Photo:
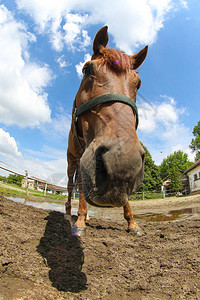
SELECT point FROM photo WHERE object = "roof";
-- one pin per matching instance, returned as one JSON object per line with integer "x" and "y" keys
{"x": 193, "y": 166}
{"x": 164, "y": 179}
{"x": 42, "y": 182}
{"x": 57, "y": 188}
{"x": 37, "y": 179}
{"x": 53, "y": 187}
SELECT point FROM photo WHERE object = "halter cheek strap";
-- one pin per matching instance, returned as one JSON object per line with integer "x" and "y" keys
{"x": 100, "y": 100}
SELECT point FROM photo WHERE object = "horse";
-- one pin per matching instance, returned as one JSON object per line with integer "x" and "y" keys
{"x": 104, "y": 152}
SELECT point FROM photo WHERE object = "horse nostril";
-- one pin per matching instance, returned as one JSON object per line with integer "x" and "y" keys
{"x": 101, "y": 150}
{"x": 143, "y": 157}
{"x": 101, "y": 171}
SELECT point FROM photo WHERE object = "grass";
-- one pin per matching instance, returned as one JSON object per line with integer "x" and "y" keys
{"x": 6, "y": 191}
{"x": 14, "y": 186}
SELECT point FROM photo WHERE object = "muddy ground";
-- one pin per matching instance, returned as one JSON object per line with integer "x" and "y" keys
{"x": 40, "y": 259}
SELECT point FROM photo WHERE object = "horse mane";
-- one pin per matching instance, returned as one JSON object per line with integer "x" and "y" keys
{"x": 116, "y": 60}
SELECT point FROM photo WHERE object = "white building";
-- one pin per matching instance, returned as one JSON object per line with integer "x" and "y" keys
{"x": 194, "y": 177}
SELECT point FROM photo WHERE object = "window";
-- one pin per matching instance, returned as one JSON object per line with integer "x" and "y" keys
{"x": 195, "y": 176}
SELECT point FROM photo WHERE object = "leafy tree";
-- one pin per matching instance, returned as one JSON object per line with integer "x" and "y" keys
{"x": 175, "y": 178}
{"x": 179, "y": 159}
{"x": 152, "y": 180}
{"x": 3, "y": 178}
{"x": 195, "y": 144}
{"x": 16, "y": 179}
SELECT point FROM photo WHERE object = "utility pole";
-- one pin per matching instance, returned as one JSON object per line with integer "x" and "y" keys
{"x": 26, "y": 182}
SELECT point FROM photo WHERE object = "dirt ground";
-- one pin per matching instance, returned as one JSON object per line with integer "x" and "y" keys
{"x": 40, "y": 259}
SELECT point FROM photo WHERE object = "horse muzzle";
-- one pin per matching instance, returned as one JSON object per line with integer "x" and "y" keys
{"x": 111, "y": 172}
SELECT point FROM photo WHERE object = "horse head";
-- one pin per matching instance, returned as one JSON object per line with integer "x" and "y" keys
{"x": 112, "y": 164}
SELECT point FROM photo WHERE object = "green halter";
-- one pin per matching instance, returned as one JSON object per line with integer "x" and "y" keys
{"x": 100, "y": 100}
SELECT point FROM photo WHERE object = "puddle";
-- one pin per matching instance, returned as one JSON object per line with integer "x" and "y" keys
{"x": 117, "y": 214}
{"x": 50, "y": 206}
{"x": 173, "y": 215}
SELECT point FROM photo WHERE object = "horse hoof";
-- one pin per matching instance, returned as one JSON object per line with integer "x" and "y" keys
{"x": 78, "y": 231}
{"x": 136, "y": 231}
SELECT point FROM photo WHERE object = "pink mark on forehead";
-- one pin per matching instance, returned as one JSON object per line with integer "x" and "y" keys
{"x": 116, "y": 62}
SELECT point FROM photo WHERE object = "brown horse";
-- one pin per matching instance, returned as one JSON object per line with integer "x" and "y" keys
{"x": 103, "y": 148}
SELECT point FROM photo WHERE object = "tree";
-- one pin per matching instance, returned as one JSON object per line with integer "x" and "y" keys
{"x": 175, "y": 178}
{"x": 195, "y": 144}
{"x": 152, "y": 180}
{"x": 3, "y": 178}
{"x": 13, "y": 178}
{"x": 179, "y": 159}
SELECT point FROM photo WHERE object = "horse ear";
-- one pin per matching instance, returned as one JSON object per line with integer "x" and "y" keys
{"x": 101, "y": 39}
{"x": 139, "y": 57}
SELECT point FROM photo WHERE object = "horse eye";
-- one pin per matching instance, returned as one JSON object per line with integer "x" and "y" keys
{"x": 139, "y": 84}
{"x": 87, "y": 69}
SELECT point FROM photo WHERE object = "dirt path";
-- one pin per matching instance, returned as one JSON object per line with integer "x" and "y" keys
{"x": 161, "y": 205}
{"x": 40, "y": 259}
{"x": 12, "y": 187}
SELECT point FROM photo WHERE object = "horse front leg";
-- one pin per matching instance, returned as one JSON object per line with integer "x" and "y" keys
{"x": 82, "y": 210}
{"x": 72, "y": 165}
{"x": 132, "y": 225}
{"x": 68, "y": 203}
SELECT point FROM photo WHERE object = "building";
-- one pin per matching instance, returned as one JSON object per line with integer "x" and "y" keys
{"x": 37, "y": 184}
{"x": 194, "y": 177}
{"x": 52, "y": 189}
{"x": 31, "y": 184}
{"x": 184, "y": 181}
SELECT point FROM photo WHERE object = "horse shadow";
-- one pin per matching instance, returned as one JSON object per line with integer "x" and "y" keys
{"x": 63, "y": 253}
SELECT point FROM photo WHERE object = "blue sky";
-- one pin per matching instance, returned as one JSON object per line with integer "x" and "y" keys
{"x": 43, "y": 47}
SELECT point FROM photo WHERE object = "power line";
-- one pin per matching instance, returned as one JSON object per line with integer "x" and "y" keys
{"x": 31, "y": 178}
{"x": 11, "y": 171}
{"x": 9, "y": 165}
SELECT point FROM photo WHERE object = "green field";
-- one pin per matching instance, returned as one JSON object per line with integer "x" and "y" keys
{"x": 13, "y": 190}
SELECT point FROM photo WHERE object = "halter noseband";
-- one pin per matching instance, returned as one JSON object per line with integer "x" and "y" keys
{"x": 100, "y": 100}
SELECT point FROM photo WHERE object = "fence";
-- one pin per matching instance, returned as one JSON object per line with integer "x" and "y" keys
{"x": 145, "y": 195}
{"x": 158, "y": 194}
{"x": 136, "y": 196}
{"x": 27, "y": 178}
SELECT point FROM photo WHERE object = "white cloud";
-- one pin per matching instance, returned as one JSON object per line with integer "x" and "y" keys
{"x": 162, "y": 114}
{"x": 73, "y": 32}
{"x": 86, "y": 38}
{"x": 43, "y": 169}
{"x": 22, "y": 99}
{"x": 49, "y": 163}
{"x": 132, "y": 23}
{"x": 147, "y": 116}
{"x": 58, "y": 128}
{"x": 161, "y": 123}
{"x": 8, "y": 145}
{"x": 62, "y": 62}
{"x": 184, "y": 3}
{"x": 79, "y": 66}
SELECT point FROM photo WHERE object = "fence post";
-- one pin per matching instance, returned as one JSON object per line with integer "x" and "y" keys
{"x": 45, "y": 189}
{"x": 143, "y": 196}
{"x": 163, "y": 194}
{"x": 26, "y": 182}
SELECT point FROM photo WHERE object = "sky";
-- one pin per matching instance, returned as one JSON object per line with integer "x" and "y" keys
{"x": 44, "y": 45}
